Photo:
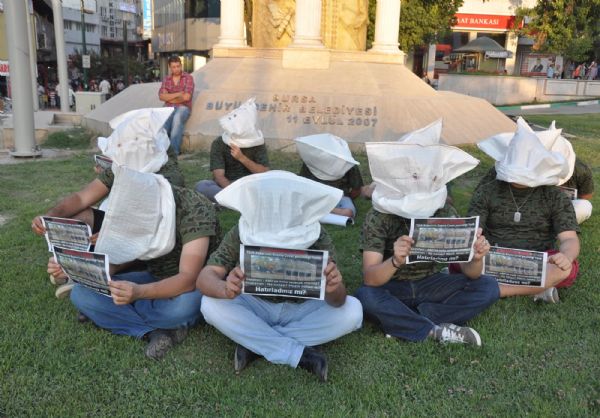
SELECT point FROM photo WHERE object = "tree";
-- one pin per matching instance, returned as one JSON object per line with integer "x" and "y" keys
{"x": 421, "y": 21}
{"x": 564, "y": 27}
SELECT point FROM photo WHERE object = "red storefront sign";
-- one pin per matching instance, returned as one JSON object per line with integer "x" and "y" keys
{"x": 477, "y": 21}
{"x": 4, "y": 71}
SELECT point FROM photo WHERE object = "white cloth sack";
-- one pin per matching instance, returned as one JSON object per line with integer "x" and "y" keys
{"x": 497, "y": 146}
{"x": 140, "y": 217}
{"x": 429, "y": 135}
{"x": 527, "y": 162}
{"x": 583, "y": 210}
{"x": 327, "y": 156}
{"x": 139, "y": 140}
{"x": 411, "y": 179}
{"x": 239, "y": 126}
{"x": 279, "y": 209}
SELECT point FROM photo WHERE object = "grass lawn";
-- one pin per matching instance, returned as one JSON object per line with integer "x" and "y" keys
{"x": 538, "y": 360}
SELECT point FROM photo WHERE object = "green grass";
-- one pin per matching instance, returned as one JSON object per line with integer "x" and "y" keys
{"x": 75, "y": 138}
{"x": 538, "y": 360}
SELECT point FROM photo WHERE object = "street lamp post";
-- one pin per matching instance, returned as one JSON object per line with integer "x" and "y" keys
{"x": 85, "y": 72}
{"x": 125, "y": 52}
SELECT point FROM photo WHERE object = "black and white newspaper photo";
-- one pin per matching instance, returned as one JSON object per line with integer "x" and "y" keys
{"x": 85, "y": 268}
{"x": 103, "y": 162}
{"x": 569, "y": 191}
{"x": 444, "y": 240}
{"x": 516, "y": 267}
{"x": 283, "y": 272}
{"x": 67, "y": 233}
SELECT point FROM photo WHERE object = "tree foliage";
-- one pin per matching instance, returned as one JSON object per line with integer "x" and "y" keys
{"x": 566, "y": 27}
{"x": 421, "y": 21}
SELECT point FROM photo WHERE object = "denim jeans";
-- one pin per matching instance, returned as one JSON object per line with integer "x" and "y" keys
{"x": 175, "y": 126}
{"x": 280, "y": 331}
{"x": 208, "y": 188}
{"x": 410, "y": 309}
{"x": 142, "y": 316}
{"x": 347, "y": 203}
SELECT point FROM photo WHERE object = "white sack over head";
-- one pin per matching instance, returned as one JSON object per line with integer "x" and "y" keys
{"x": 239, "y": 126}
{"x": 411, "y": 179}
{"x": 497, "y": 146}
{"x": 140, "y": 217}
{"x": 429, "y": 135}
{"x": 527, "y": 162}
{"x": 139, "y": 140}
{"x": 279, "y": 209}
{"x": 327, "y": 156}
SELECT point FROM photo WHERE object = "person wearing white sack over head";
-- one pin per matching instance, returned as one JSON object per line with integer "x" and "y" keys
{"x": 138, "y": 139}
{"x": 239, "y": 152}
{"x": 416, "y": 301}
{"x": 282, "y": 210}
{"x": 523, "y": 209}
{"x": 327, "y": 159}
{"x": 579, "y": 178}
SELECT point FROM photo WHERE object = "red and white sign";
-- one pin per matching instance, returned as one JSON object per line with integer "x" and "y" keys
{"x": 478, "y": 21}
{"x": 4, "y": 69}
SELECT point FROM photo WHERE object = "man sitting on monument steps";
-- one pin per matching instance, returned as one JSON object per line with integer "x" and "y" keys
{"x": 328, "y": 160}
{"x": 415, "y": 301}
{"x": 239, "y": 152}
{"x": 523, "y": 209}
{"x": 282, "y": 210}
{"x": 146, "y": 125}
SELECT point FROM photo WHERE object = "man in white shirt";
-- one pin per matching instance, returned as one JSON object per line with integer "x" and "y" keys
{"x": 105, "y": 88}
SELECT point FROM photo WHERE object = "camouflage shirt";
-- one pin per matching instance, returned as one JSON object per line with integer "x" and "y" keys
{"x": 220, "y": 158}
{"x": 582, "y": 179}
{"x": 545, "y": 213}
{"x": 351, "y": 180}
{"x": 170, "y": 170}
{"x": 381, "y": 230}
{"x": 195, "y": 217}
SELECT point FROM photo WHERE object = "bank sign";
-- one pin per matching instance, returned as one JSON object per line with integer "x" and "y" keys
{"x": 478, "y": 21}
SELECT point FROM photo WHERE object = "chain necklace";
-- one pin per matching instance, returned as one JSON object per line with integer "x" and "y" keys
{"x": 517, "y": 215}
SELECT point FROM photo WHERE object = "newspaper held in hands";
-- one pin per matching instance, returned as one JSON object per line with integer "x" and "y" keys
{"x": 103, "y": 162}
{"x": 67, "y": 233}
{"x": 283, "y": 272}
{"x": 335, "y": 219}
{"x": 444, "y": 240}
{"x": 85, "y": 268}
{"x": 569, "y": 191}
{"x": 516, "y": 267}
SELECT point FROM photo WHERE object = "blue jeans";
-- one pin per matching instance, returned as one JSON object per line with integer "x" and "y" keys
{"x": 142, "y": 316}
{"x": 410, "y": 309}
{"x": 347, "y": 203}
{"x": 175, "y": 125}
{"x": 280, "y": 331}
{"x": 208, "y": 188}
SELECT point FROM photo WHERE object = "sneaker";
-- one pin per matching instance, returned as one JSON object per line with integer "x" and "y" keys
{"x": 549, "y": 295}
{"x": 178, "y": 335}
{"x": 81, "y": 318}
{"x": 160, "y": 343}
{"x": 64, "y": 290}
{"x": 450, "y": 333}
{"x": 315, "y": 362}
{"x": 242, "y": 358}
{"x": 57, "y": 282}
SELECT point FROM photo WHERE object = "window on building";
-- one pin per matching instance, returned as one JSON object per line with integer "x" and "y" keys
{"x": 202, "y": 8}
{"x": 102, "y": 11}
{"x": 90, "y": 28}
{"x": 68, "y": 25}
{"x": 104, "y": 31}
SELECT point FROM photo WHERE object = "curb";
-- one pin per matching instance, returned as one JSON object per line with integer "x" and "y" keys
{"x": 549, "y": 105}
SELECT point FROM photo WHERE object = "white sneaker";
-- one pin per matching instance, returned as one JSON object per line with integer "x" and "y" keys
{"x": 64, "y": 291}
{"x": 57, "y": 282}
{"x": 450, "y": 333}
{"x": 549, "y": 295}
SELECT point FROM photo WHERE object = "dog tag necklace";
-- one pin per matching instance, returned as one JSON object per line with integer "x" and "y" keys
{"x": 517, "y": 215}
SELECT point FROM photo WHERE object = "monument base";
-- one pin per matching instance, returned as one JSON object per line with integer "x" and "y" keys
{"x": 359, "y": 96}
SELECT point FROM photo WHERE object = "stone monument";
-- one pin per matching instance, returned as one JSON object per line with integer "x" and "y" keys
{"x": 305, "y": 87}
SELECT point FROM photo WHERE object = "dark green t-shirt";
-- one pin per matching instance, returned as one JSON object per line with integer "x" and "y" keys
{"x": 170, "y": 171}
{"x": 545, "y": 213}
{"x": 195, "y": 217}
{"x": 380, "y": 232}
{"x": 351, "y": 180}
{"x": 582, "y": 179}
{"x": 220, "y": 158}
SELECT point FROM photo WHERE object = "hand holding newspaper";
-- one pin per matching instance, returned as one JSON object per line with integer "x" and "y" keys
{"x": 85, "y": 268}
{"x": 283, "y": 272}
{"x": 67, "y": 233}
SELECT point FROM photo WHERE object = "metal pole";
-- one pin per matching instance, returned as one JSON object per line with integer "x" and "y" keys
{"x": 61, "y": 56}
{"x": 33, "y": 61}
{"x": 15, "y": 13}
{"x": 125, "y": 52}
{"x": 85, "y": 72}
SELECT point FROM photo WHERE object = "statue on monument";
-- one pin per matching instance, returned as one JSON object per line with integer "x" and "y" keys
{"x": 344, "y": 24}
